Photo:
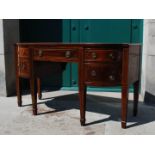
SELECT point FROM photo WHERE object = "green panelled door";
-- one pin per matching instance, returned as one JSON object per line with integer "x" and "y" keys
{"x": 99, "y": 31}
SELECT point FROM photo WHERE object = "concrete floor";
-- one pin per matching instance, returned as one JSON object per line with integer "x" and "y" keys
{"x": 59, "y": 115}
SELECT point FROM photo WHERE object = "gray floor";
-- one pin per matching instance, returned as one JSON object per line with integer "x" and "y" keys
{"x": 59, "y": 115}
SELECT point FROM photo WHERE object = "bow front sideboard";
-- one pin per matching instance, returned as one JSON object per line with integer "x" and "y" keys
{"x": 98, "y": 65}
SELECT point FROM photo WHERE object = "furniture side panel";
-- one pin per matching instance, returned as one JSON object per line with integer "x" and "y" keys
{"x": 134, "y": 63}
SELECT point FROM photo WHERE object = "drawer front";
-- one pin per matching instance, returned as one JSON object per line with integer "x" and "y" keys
{"x": 23, "y": 52}
{"x": 23, "y": 67}
{"x": 100, "y": 55}
{"x": 56, "y": 54}
{"x": 99, "y": 74}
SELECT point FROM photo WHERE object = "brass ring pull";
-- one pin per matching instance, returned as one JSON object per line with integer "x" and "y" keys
{"x": 94, "y": 56}
{"x": 111, "y": 77}
{"x": 68, "y": 54}
{"x": 93, "y": 73}
{"x": 40, "y": 53}
{"x": 111, "y": 55}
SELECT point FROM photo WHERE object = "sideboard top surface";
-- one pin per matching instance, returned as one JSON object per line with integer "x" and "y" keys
{"x": 78, "y": 44}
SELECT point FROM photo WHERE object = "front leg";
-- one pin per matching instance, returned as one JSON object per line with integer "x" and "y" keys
{"x": 19, "y": 91}
{"x": 124, "y": 105}
{"x": 33, "y": 95}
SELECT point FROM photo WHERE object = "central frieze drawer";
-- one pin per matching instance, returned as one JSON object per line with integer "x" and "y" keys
{"x": 56, "y": 54}
{"x": 102, "y": 74}
{"x": 107, "y": 55}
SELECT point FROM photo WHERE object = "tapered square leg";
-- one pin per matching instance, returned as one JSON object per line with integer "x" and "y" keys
{"x": 124, "y": 105}
{"x": 33, "y": 95}
{"x": 136, "y": 98}
{"x": 19, "y": 91}
{"x": 123, "y": 125}
{"x": 82, "y": 95}
{"x": 39, "y": 88}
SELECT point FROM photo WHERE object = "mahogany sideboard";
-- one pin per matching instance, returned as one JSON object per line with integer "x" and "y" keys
{"x": 98, "y": 65}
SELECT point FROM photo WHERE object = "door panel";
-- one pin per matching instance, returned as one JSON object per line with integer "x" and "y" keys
{"x": 75, "y": 38}
{"x": 137, "y": 31}
{"x": 75, "y": 31}
{"x": 105, "y": 31}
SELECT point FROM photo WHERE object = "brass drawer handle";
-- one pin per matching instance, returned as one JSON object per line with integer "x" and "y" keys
{"x": 93, "y": 73}
{"x": 111, "y": 55}
{"x": 94, "y": 56}
{"x": 68, "y": 54}
{"x": 40, "y": 53}
{"x": 112, "y": 78}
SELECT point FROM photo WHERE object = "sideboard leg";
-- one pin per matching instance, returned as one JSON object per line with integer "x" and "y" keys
{"x": 33, "y": 95}
{"x": 19, "y": 91}
{"x": 39, "y": 88}
{"x": 124, "y": 105}
{"x": 82, "y": 95}
{"x": 136, "y": 97}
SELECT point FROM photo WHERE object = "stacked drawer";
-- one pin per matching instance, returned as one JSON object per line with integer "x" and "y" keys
{"x": 23, "y": 62}
{"x": 103, "y": 67}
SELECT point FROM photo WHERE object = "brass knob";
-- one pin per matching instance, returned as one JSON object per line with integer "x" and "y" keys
{"x": 94, "y": 56}
{"x": 93, "y": 73}
{"x": 111, "y": 55}
{"x": 111, "y": 77}
{"x": 68, "y": 54}
{"x": 40, "y": 53}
